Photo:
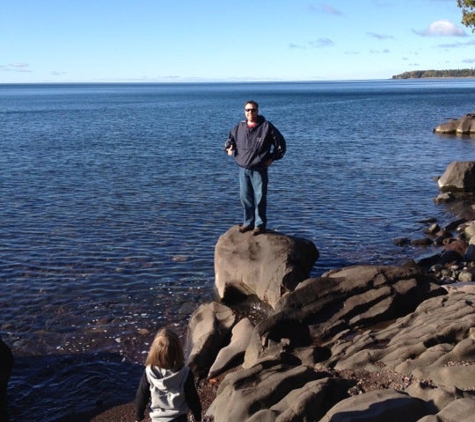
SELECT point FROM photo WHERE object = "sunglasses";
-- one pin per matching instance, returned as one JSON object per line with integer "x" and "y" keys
{"x": 250, "y": 109}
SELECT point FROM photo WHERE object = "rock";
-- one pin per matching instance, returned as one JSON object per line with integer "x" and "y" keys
{"x": 444, "y": 197}
{"x": 463, "y": 126}
{"x": 469, "y": 230}
{"x": 309, "y": 402}
{"x": 425, "y": 241}
{"x": 456, "y": 245}
{"x": 350, "y": 322}
{"x": 432, "y": 230}
{"x": 265, "y": 392}
{"x": 435, "y": 342}
{"x": 267, "y": 265}
{"x": 458, "y": 177}
{"x": 350, "y": 298}
{"x": 467, "y": 275}
{"x": 455, "y": 224}
{"x": 208, "y": 330}
{"x": 436, "y": 397}
{"x": 462, "y": 410}
{"x": 460, "y": 288}
{"x": 378, "y": 406}
{"x": 233, "y": 353}
{"x": 401, "y": 241}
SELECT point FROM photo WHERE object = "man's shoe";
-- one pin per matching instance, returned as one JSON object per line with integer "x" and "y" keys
{"x": 258, "y": 230}
{"x": 244, "y": 229}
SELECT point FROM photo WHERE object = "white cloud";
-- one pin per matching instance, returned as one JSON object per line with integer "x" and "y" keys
{"x": 442, "y": 28}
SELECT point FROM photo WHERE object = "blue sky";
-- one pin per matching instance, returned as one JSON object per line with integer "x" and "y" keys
{"x": 228, "y": 40}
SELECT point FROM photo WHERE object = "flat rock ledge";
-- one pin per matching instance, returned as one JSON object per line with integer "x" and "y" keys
{"x": 301, "y": 360}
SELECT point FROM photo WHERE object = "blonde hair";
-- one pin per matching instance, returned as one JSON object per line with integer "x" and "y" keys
{"x": 166, "y": 351}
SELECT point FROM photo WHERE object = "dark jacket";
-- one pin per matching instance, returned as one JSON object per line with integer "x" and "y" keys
{"x": 255, "y": 146}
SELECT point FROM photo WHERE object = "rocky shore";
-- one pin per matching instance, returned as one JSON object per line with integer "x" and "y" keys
{"x": 369, "y": 343}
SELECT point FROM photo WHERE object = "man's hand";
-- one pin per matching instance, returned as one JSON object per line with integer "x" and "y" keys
{"x": 268, "y": 163}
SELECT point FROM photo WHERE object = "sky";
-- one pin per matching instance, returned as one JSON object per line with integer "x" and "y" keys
{"x": 62, "y": 41}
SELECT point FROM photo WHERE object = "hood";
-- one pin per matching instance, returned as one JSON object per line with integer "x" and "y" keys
{"x": 166, "y": 379}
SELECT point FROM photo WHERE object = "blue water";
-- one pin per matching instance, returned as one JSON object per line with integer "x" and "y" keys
{"x": 114, "y": 196}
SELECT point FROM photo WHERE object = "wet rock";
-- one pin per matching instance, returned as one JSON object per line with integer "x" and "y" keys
{"x": 425, "y": 241}
{"x": 432, "y": 229}
{"x": 401, "y": 241}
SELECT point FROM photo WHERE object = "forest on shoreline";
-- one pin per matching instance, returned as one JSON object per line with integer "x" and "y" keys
{"x": 453, "y": 73}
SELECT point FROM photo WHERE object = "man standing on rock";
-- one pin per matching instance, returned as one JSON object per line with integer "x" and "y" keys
{"x": 255, "y": 144}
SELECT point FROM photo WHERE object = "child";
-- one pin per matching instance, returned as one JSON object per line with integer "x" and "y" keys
{"x": 167, "y": 382}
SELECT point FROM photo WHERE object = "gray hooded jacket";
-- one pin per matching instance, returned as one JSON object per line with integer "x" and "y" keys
{"x": 171, "y": 394}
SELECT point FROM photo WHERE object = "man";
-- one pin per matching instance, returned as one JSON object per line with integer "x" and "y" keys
{"x": 255, "y": 144}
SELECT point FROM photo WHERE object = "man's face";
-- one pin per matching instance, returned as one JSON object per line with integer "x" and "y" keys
{"x": 251, "y": 112}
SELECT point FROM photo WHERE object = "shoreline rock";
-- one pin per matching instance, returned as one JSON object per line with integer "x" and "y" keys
{"x": 402, "y": 323}
{"x": 373, "y": 343}
{"x": 465, "y": 125}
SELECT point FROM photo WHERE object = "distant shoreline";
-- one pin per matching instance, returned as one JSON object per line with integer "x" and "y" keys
{"x": 453, "y": 73}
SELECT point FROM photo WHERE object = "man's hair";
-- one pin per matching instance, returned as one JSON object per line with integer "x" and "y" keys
{"x": 254, "y": 103}
{"x": 166, "y": 351}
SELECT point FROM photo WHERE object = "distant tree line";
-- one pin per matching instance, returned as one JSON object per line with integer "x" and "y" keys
{"x": 454, "y": 73}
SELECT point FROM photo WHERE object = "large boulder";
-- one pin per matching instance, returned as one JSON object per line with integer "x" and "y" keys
{"x": 458, "y": 177}
{"x": 267, "y": 265}
{"x": 463, "y": 126}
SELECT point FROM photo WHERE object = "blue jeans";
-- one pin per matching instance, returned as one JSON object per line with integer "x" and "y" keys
{"x": 253, "y": 195}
